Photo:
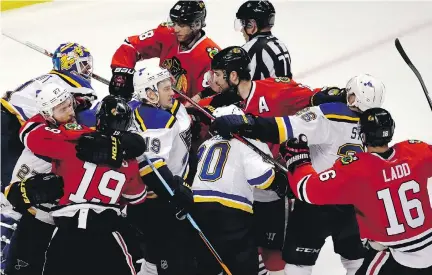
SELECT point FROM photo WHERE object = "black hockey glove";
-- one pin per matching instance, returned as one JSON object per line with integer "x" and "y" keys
{"x": 121, "y": 83}
{"x": 183, "y": 197}
{"x": 198, "y": 116}
{"x": 41, "y": 188}
{"x": 232, "y": 124}
{"x": 329, "y": 95}
{"x": 295, "y": 152}
{"x": 99, "y": 148}
{"x": 281, "y": 186}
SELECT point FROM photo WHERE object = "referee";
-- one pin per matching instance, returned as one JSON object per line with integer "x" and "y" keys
{"x": 269, "y": 56}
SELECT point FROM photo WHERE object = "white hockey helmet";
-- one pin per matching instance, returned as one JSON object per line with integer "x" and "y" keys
{"x": 149, "y": 78}
{"x": 49, "y": 97}
{"x": 369, "y": 92}
{"x": 227, "y": 110}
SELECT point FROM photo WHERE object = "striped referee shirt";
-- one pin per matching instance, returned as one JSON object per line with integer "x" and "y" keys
{"x": 269, "y": 57}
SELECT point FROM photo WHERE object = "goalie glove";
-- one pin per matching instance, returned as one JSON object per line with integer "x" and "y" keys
{"x": 41, "y": 188}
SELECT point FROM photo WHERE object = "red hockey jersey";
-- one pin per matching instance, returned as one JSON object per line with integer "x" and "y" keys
{"x": 83, "y": 181}
{"x": 281, "y": 96}
{"x": 187, "y": 67}
{"x": 393, "y": 197}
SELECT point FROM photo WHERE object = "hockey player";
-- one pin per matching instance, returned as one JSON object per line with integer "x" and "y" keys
{"x": 268, "y": 97}
{"x": 223, "y": 193}
{"x": 36, "y": 226}
{"x": 165, "y": 125}
{"x": 332, "y": 130}
{"x": 392, "y": 200}
{"x": 88, "y": 215}
{"x": 72, "y": 68}
{"x": 182, "y": 46}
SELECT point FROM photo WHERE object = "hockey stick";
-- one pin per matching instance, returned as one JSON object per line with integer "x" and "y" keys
{"x": 47, "y": 53}
{"x": 414, "y": 69}
{"x": 238, "y": 137}
{"x": 189, "y": 217}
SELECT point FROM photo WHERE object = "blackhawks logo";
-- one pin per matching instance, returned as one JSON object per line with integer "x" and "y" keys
{"x": 173, "y": 65}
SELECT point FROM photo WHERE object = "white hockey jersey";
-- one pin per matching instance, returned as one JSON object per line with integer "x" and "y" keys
{"x": 22, "y": 101}
{"x": 332, "y": 131}
{"x": 228, "y": 172}
{"x": 29, "y": 165}
{"x": 168, "y": 137}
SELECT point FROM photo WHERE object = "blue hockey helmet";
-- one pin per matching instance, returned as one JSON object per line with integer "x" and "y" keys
{"x": 75, "y": 59}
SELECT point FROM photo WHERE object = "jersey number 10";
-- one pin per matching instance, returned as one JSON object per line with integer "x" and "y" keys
{"x": 212, "y": 168}
{"x": 407, "y": 206}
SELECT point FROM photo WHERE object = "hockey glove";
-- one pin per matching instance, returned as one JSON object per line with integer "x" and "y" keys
{"x": 232, "y": 124}
{"x": 41, "y": 188}
{"x": 183, "y": 197}
{"x": 198, "y": 116}
{"x": 99, "y": 148}
{"x": 295, "y": 152}
{"x": 121, "y": 83}
{"x": 281, "y": 186}
{"x": 329, "y": 95}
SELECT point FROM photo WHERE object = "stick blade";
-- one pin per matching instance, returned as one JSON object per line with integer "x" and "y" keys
{"x": 402, "y": 51}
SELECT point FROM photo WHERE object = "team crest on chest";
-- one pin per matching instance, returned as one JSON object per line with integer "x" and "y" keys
{"x": 173, "y": 65}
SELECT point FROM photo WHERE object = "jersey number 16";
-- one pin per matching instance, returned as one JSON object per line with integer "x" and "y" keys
{"x": 407, "y": 206}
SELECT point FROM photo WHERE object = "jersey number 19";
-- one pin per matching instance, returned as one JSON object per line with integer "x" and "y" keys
{"x": 104, "y": 190}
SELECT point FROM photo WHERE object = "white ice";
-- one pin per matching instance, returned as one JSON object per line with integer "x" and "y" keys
{"x": 329, "y": 42}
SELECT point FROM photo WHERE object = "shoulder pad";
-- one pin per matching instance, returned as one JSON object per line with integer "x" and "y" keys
{"x": 72, "y": 80}
{"x": 339, "y": 111}
{"x": 153, "y": 118}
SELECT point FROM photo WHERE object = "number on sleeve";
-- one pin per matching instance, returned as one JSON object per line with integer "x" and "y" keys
{"x": 113, "y": 194}
{"x": 214, "y": 161}
{"x": 325, "y": 176}
{"x": 53, "y": 130}
{"x": 409, "y": 207}
{"x": 146, "y": 35}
